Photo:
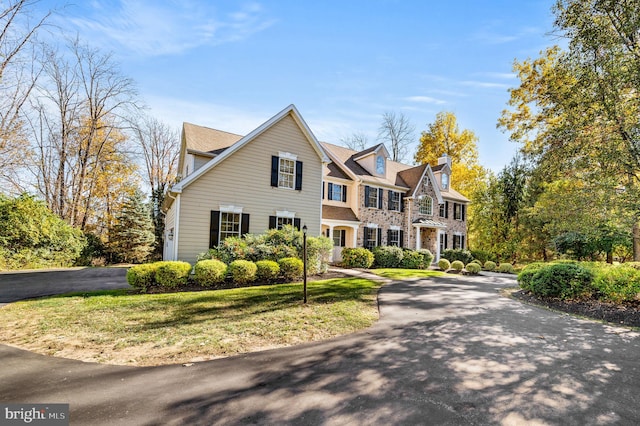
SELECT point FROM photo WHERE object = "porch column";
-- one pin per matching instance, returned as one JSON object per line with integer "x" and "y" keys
{"x": 437, "y": 245}
{"x": 355, "y": 236}
{"x": 418, "y": 238}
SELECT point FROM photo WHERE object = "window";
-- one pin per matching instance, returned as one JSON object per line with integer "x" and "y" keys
{"x": 458, "y": 242}
{"x": 445, "y": 181}
{"x": 373, "y": 197}
{"x": 286, "y": 171}
{"x": 281, "y": 221}
{"x": 371, "y": 237}
{"x": 284, "y": 218}
{"x": 394, "y": 201}
{"x": 339, "y": 237}
{"x": 444, "y": 209}
{"x": 458, "y": 211}
{"x": 337, "y": 192}
{"x": 380, "y": 165}
{"x": 426, "y": 206}
{"x": 227, "y": 222}
{"x": 443, "y": 242}
{"x": 395, "y": 237}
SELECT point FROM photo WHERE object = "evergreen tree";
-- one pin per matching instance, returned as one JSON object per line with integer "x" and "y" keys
{"x": 132, "y": 236}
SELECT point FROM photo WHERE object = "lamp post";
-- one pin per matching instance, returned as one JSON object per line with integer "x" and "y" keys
{"x": 304, "y": 259}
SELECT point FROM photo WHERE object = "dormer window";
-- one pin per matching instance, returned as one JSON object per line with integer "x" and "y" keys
{"x": 445, "y": 181}
{"x": 380, "y": 165}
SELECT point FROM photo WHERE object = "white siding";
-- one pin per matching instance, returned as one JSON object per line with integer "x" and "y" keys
{"x": 169, "y": 223}
{"x": 243, "y": 179}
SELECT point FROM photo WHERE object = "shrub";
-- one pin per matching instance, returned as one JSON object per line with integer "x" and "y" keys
{"x": 172, "y": 274}
{"x": 242, "y": 271}
{"x": 318, "y": 254}
{"x": 209, "y": 272}
{"x": 472, "y": 268}
{"x": 291, "y": 268}
{"x": 489, "y": 265}
{"x": 635, "y": 265}
{"x": 356, "y": 258}
{"x": 618, "y": 284}
{"x": 444, "y": 264}
{"x": 480, "y": 255}
{"x": 525, "y": 276}
{"x": 142, "y": 276}
{"x": 387, "y": 256}
{"x": 477, "y": 262}
{"x": 564, "y": 280}
{"x": 457, "y": 265}
{"x": 464, "y": 256}
{"x": 267, "y": 270}
{"x": 506, "y": 268}
{"x": 427, "y": 258}
{"x": 416, "y": 259}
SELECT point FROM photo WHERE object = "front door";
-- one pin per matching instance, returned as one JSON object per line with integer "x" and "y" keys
{"x": 339, "y": 238}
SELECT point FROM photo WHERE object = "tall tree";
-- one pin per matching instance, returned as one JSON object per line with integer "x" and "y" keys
{"x": 357, "y": 141}
{"x": 397, "y": 130}
{"x": 160, "y": 145}
{"x": 132, "y": 235}
{"x": 18, "y": 73}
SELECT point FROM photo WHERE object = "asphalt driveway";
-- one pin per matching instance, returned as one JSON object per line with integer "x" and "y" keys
{"x": 445, "y": 351}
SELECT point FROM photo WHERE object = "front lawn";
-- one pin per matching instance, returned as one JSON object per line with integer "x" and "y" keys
{"x": 400, "y": 274}
{"x": 118, "y": 327}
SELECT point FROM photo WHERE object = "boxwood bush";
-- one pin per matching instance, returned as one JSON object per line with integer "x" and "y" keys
{"x": 416, "y": 259}
{"x": 444, "y": 264}
{"x": 209, "y": 272}
{"x": 291, "y": 268}
{"x": 490, "y": 265}
{"x": 563, "y": 280}
{"x": 356, "y": 257}
{"x": 618, "y": 284}
{"x": 464, "y": 256}
{"x": 457, "y": 265}
{"x": 172, "y": 274}
{"x": 242, "y": 271}
{"x": 506, "y": 268}
{"x": 472, "y": 268}
{"x": 387, "y": 256}
{"x": 525, "y": 277}
{"x": 267, "y": 270}
{"x": 142, "y": 276}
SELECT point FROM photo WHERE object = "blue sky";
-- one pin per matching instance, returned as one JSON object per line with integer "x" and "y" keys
{"x": 231, "y": 64}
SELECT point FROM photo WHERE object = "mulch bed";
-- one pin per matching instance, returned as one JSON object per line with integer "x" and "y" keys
{"x": 627, "y": 314}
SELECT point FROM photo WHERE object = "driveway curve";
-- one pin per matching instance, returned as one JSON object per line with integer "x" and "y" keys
{"x": 447, "y": 351}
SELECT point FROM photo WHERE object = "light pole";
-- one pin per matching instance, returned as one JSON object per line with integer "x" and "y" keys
{"x": 304, "y": 259}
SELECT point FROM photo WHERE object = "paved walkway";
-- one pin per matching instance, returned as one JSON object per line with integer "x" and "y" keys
{"x": 445, "y": 351}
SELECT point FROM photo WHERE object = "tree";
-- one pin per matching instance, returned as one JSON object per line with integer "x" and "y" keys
{"x": 18, "y": 74}
{"x": 357, "y": 142}
{"x": 132, "y": 238}
{"x": 397, "y": 130}
{"x": 160, "y": 146}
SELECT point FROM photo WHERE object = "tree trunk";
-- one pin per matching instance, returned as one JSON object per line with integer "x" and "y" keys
{"x": 636, "y": 241}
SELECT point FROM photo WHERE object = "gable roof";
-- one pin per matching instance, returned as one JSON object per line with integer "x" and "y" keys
{"x": 205, "y": 139}
{"x": 373, "y": 149}
{"x": 291, "y": 110}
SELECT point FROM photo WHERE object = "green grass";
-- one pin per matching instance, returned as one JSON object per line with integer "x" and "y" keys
{"x": 119, "y": 327}
{"x": 399, "y": 274}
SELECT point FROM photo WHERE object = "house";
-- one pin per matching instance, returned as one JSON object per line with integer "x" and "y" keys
{"x": 231, "y": 185}
{"x": 280, "y": 174}
{"x": 369, "y": 200}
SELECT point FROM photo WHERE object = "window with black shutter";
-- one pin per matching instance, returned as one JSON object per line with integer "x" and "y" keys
{"x": 286, "y": 173}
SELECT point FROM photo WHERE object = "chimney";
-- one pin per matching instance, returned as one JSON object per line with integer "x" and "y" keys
{"x": 445, "y": 159}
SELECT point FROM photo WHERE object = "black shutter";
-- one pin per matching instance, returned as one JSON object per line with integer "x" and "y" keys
{"x": 388, "y": 237}
{"x": 379, "y": 242}
{"x": 296, "y": 223}
{"x": 214, "y": 228}
{"x": 244, "y": 226}
{"x": 462, "y": 241}
{"x": 298, "y": 175}
{"x": 463, "y": 207}
{"x": 366, "y": 237}
{"x": 401, "y": 238}
{"x": 401, "y": 202}
{"x": 380, "y": 194}
{"x": 272, "y": 222}
{"x": 330, "y": 191}
{"x": 275, "y": 161}
{"x": 390, "y": 195}
{"x": 343, "y": 238}
{"x": 323, "y": 190}
{"x": 344, "y": 193}
{"x": 446, "y": 243}
{"x": 366, "y": 196}
{"x": 446, "y": 209}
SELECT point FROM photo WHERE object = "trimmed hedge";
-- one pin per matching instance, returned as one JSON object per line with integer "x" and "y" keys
{"x": 387, "y": 256}
{"x": 457, "y": 265}
{"x": 490, "y": 265}
{"x": 472, "y": 268}
{"x": 563, "y": 280}
{"x": 267, "y": 270}
{"x": 357, "y": 257}
{"x": 142, "y": 276}
{"x": 506, "y": 268}
{"x": 452, "y": 255}
{"x": 618, "y": 284}
{"x": 444, "y": 264}
{"x": 525, "y": 277}
{"x": 416, "y": 259}
{"x": 242, "y": 271}
{"x": 172, "y": 274}
{"x": 291, "y": 268}
{"x": 209, "y": 272}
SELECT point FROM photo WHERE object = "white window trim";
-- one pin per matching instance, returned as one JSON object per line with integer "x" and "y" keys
{"x": 342, "y": 188}
{"x": 293, "y": 181}
{"x": 377, "y": 191}
{"x": 395, "y": 228}
{"x": 372, "y": 225}
{"x": 286, "y": 214}
{"x": 288, "y": 156}
{"x": 230, "y": 208}
{"x": 399, "y": 201}
{"x": 420, "y": 200}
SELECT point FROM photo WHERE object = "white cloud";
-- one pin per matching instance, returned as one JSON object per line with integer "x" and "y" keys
{"x": 425, "y": 100}
{"x": 484, "y": 84}
{"x": 153, "y": 28}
